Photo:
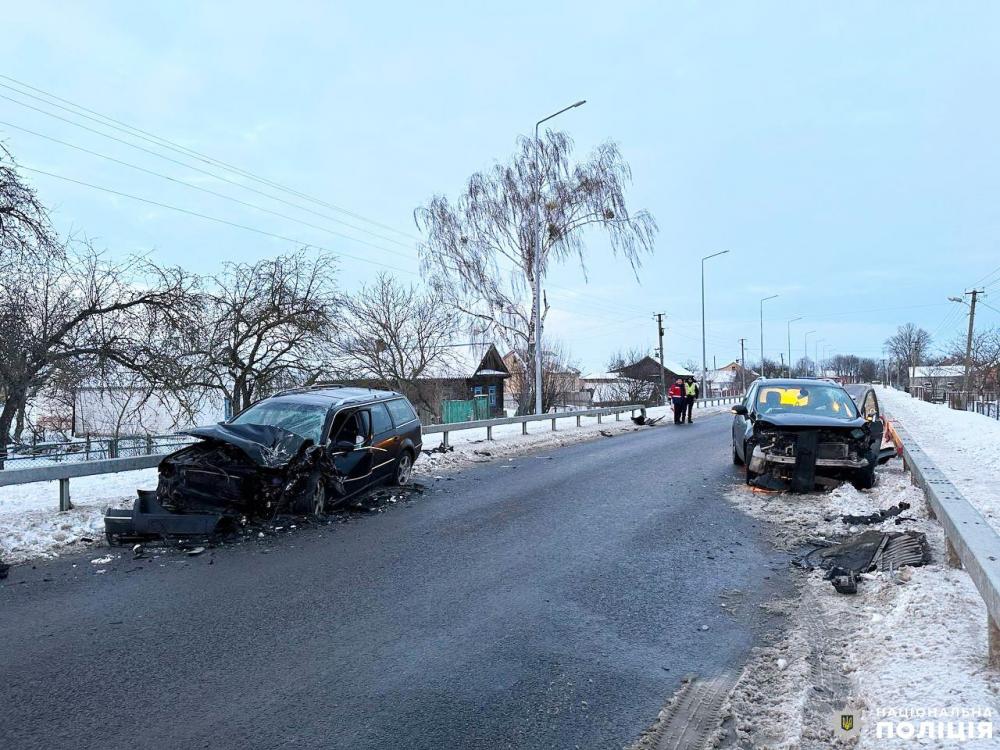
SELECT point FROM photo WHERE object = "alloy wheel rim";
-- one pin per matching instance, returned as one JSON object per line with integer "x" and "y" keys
{"x": 404, "y": 469}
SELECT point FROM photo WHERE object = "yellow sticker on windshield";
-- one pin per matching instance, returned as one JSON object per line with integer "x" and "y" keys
{"x": 786, "y": 396}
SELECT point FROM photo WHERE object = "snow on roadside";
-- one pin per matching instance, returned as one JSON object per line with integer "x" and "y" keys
{"x": 963, "y": 444}
{"x": 31, "y": 527}
{"x": 916, "y": 639}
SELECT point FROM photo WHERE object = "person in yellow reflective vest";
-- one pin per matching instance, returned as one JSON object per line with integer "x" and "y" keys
{"x": 691, "y": 393}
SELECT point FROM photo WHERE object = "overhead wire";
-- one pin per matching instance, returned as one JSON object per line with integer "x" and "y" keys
{"x": 135, "y": 132}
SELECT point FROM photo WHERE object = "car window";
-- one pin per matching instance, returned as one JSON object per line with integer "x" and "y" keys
{"x": 870, "y": 408}
{"x": 305, "y": 420}
{"x": 400, "y": 411}
{"x": 380, "y": 419}
{"x": 817, "y": 400}
{"x": 351, "y": 425}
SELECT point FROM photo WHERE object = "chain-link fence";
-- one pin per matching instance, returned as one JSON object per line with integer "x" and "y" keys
{"x": 90, "y": 449}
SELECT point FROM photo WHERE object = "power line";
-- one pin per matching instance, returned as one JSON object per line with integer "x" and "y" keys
{"x": 177, "y": 148}
{"x": 207, "y": 190}
{"x": 212, "y": 218}
{"x": 200, "y": 170}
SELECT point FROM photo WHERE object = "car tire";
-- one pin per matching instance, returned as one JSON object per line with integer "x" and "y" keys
{"x": 737, "y": 461}
{"x": 403, "y": 469}
{"x": 864, "y": 479}
{"x": 313, "y": 503}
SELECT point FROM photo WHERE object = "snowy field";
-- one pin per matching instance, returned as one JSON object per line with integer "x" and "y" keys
{"x": 963, "y": 444}
{"x": 31, "y": 526}
{"x": 914, "y": 639}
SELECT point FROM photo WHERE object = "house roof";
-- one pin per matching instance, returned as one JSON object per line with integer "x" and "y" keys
{"x": 938, "y": 371}
{"x": 469, "y": 360}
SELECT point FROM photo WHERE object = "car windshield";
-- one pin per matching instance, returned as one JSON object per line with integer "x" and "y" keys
{"x": 817, "y": 400}
{"x": 305, "y": 420}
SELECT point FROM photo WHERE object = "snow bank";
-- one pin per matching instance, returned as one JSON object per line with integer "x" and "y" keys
{"x": 31, "y": 527}
{"x": 963, "y": 444}
{"x": 913, "y": 640}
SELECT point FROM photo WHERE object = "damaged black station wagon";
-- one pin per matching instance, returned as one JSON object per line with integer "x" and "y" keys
{"x": 302, "y": 451}
{"x": 799, "y": 433}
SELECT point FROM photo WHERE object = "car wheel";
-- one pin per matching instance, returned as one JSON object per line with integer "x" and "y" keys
{"x": 404, "y": 467}
{"x": 864, "y": 479}
{"x": 313, "y": 503}
{"x": 736, "y": 457}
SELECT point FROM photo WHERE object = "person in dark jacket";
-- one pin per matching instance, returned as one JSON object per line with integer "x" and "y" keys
{"x": 691, "y": 393}
{"x": 679, "y": 400}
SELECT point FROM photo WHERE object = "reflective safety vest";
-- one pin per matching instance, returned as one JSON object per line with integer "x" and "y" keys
{"x": 691, "y": 389}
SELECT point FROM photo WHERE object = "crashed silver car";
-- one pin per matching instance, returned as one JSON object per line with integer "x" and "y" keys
{"x": 799, "y": 433}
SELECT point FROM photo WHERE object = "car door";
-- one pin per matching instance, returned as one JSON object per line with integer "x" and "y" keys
{"x": 741, "y": 423}
{"x": 385, "y": 441}
{"x": 351, "y": 449}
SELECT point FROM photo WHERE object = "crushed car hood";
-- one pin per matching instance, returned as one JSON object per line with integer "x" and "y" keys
{"x": 808, "y": 421}
{"x": 265, "y": 445}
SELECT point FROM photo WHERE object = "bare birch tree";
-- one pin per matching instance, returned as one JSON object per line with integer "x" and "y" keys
{"x": 480, "y": 251}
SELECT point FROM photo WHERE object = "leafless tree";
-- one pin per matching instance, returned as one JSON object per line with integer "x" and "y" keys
{"x": 625, "y": 389}
{"x": 480, "y": 251}
{"x": 395, "y": 335}
{"x": 25, "y": 231}
{"x": 75, "y": 306}
{"x": 984, "y": 362}
{"x": 908, "y": 347}
{"x": 260, "y": 327}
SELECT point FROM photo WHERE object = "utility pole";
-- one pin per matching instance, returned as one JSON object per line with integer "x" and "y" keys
{"x": 782, "y": 355}
{"x": 663, "y": 372}
{"x": 743, "y": 366}
{"x": 790, "y": 344}
{"x": 968, "y": 340}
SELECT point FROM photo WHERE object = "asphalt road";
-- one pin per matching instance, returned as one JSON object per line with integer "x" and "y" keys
{"x": 555, "y": 601}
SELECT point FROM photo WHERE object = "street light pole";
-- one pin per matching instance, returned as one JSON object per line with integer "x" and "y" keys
{"x": 790, "y": 344}
{"x": 704, "y": 358}
{"x": 805, "y": 348}
{"x": 762, "y": 332}
{"x": 539, "y": 244}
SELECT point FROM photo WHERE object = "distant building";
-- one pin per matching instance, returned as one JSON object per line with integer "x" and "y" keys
{"x": 728, "y": 380}
{"x": 637, "y": 383}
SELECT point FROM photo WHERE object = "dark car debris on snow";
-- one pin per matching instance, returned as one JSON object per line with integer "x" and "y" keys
{"x": 870, "y": 551}
{"x": 303, "y": 451}
{"x": 797, "y": 434}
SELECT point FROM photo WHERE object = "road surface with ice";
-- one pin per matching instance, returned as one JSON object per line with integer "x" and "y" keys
{"x": 552, "y": 600}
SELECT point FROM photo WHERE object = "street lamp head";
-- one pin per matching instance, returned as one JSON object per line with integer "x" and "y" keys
{"x": 793, "y": 320}
{"x": 956, "y": 299}
{"x": 579, "y": 103}
{"x": 765, "y": 299}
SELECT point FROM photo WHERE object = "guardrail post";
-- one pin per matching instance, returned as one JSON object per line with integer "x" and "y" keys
{"x": 524, "y": 428}
{"x": 577, "y": 420}
{"x": 489, "y": 432}
{"x": 618, "y": 416}
{"x": 553, "y": 424}
{"x": 993, "y": 649}
{"x": 64, "y": 502}
{"x": 149, "y": 445}
{"x": 954, "y": 561}
{"x": 598, "y": 419}
{"x": 444, "y": 439}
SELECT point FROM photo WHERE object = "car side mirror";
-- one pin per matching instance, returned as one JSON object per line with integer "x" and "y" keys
{"x": 740, "y": 409}
{"x": 344, "y": 446}
{"x": 359, "y": 441}
{"x": 876, "y": 427}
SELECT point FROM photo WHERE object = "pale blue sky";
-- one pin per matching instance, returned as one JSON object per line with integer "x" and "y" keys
{"x": 846, "y": 154}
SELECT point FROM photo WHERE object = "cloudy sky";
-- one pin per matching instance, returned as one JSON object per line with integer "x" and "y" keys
{"x": 845, "y": 154}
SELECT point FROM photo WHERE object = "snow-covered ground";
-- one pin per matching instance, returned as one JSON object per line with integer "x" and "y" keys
{"x": 913, "y": 640}
{"x": 963, "y": 444}
{"x": 31, "y": 526}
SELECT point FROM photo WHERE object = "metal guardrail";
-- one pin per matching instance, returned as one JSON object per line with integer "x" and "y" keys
{"x": 92, "y": 449}
{"x": 970, "y": 540}
{"x": 66, "y": 471}
{"x": 489, "y": 424}
{"x": 63, "y": 471}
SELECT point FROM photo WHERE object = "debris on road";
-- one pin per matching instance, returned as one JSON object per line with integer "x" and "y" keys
{"x": 878, "y": 516}
{"x": 870, "y": 551}
{"x": 102, "y": 560}
{"x": 607, "y": 433}
{"x": 439, "y": 449}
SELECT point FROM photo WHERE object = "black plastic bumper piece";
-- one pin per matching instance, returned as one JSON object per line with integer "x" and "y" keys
{"x": 148, "y": 519}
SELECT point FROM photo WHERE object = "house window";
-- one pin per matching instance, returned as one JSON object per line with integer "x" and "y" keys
{"x": 477, "y": 390}
{"x": 493, "y": 395}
